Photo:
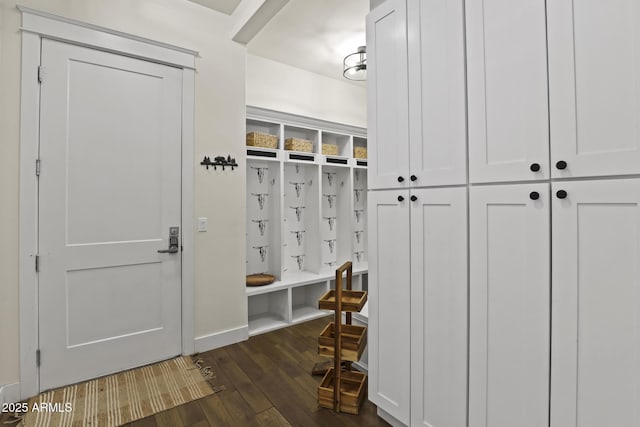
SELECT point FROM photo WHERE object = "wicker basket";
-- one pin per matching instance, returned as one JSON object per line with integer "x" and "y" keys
{"x": 360, "y": 152}
{"x": 330, "y": 149}
{"x": 297, "y": 144}
{"x": 264, "y": 140}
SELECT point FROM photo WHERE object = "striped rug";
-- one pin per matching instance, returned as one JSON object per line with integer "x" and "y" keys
{"x": 121, "y": 398}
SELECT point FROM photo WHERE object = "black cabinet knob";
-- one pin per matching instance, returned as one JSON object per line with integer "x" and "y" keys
{"x": 400, "y": 198}
{"x": 400, "y": 179}
{"x": 561, "y": 194}
{"x": 535, "y": 167}
{"x": 414, "y": 198}
{"x": 561, "y": 164}
{"x": 534, "y": 195}
{"x": 414, "y": 178}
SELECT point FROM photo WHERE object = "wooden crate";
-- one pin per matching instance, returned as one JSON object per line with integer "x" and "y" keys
{"x": 353, "y": 388}
{"x": 351, "y": 300}
{"x": 330, "y": 149}
{"x": 297, "y": 144}
{"x": 353, "y": 340}
{"x": 264, "y": 140}
{"x": 360, "y": 152}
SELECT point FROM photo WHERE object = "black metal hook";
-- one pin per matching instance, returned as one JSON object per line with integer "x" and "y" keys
{"x": 219, "y": 161}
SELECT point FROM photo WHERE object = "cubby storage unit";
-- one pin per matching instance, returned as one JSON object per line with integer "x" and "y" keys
{"x": 306, "y": 213}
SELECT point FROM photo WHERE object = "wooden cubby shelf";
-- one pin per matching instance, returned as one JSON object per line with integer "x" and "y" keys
{"x": 306, "y": 214}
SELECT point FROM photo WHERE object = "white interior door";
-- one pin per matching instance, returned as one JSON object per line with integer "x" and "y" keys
{"x": 595, "y": 363}
{"x": 509, "y": 306}
{"x": 109, "y": 190}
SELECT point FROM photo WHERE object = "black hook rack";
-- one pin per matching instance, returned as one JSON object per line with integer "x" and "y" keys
{"x": 219, "y": 161}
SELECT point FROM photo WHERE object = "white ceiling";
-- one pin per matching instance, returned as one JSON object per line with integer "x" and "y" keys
{"x": 314, "y": 35}
{"x": 224, "y": 6}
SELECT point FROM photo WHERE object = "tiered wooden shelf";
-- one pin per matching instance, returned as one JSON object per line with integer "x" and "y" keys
{"x": 343, "y": 390}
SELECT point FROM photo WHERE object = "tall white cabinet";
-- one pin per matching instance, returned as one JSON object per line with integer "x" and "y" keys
{"x": 515, "y": 246}
{"x": 418, "y": 233}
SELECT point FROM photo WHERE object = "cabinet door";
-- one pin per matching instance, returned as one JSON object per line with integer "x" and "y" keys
{"x": 437, "y": 92}
{"x": 388, "y": 95}
{"x": 594, "y": 57}
{"x": 439, "y": 307}
{"x": 507, "y": 90}
{"x": 595, "y": 377}
{"x": 389, "y": 302}
{"x": 509, "y": 306}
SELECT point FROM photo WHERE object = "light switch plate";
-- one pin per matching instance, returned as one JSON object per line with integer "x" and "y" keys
{"x": 202, "y": 224}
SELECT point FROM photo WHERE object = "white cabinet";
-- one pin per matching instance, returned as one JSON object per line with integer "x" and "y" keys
{"x": 437, "y": 112}
{"x": 389, "y": 300}
{"x": 388, "y": 95}
{"x": 595, "y": 377}
{"x": 418, "y": 259}
{"x": 416, "y": 103}
{"x": 507, "y": 90}
{"x": 594, "y": 55}
{"x": 509, "y": 306}
{"x": 439, "y": 307}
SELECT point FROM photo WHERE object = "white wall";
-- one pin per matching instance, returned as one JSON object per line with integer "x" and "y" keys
{"x": 221, "y": 302}
{"x": 280, "y": 87}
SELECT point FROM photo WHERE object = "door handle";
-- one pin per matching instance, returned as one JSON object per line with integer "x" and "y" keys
{"x": 174, "y": 242}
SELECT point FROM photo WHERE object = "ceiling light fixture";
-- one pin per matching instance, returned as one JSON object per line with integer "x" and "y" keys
{"x": 355, "y": 65}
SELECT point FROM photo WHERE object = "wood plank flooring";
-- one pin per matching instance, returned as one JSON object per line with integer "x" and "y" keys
{"x": 267, "y": 382}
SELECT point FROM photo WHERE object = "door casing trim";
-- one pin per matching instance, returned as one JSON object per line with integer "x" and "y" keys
{"x": 35, "y": 26}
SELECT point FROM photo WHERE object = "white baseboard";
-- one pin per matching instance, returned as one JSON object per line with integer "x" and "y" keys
{"x": 221, "y": 339}
{"x": 10, "y": 393}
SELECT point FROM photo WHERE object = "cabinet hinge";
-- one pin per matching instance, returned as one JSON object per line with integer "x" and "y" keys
{"x": 38, "y": 358}
{"x": 37, "y": 263}
{"x": 40, "y": 73}
{"x": 37, "y": 167}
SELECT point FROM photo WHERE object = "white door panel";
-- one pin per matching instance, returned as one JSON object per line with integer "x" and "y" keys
{"x": 388, "y": 100}
{"x": 389, "y": 318}
{"x": 109, "y": 190}
{"x": 437, "y": 94}
{"x": 509, "y": 306}
{"x": 596, "y": 298}
{"x": 507, "y": 90}
{"x": 594, "y": 55}
{"x": 439, "y": 307}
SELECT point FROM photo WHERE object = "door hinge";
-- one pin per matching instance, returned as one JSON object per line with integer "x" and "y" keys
{"x": 37, "y": 167}
{"x": 40, "y": 74}
{"x": 37, "y": 263}
{"x": 38, "y": 358}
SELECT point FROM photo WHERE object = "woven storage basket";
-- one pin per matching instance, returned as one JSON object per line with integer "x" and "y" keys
{"x": 330, "y": 149}
{"x": 297, "y": 144}
{"x": 264, "y": 140}
{"x": 360, "y": 152}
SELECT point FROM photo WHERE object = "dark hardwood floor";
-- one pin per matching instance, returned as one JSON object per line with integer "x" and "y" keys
{"x": 268, "y": 383}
